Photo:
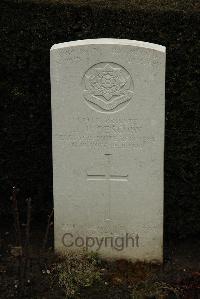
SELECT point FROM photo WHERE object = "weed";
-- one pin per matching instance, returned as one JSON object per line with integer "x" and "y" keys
{"x": 74, "y": 271}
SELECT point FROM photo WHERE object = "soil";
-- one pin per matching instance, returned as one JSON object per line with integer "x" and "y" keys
{"x": 29, "y": 278}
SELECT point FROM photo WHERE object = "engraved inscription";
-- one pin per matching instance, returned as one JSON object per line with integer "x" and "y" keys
{"x": 108, "y": 87}
{"x": 92, "y": 132}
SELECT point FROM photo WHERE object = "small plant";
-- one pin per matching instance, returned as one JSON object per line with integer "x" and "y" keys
{"x": 74, "y": 271}
{"x": 157, "y": 290}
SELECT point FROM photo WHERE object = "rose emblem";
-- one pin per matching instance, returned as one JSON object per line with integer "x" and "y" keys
{"x": 108, "y": 86}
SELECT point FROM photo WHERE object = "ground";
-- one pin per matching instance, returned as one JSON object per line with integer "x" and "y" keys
{"x": 38, "y": 273}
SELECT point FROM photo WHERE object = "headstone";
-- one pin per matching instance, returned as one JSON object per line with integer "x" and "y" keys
{"x": 108, "y": 98}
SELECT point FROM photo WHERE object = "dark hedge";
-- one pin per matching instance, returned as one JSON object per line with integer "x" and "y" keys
{"x": 28, "y": 32}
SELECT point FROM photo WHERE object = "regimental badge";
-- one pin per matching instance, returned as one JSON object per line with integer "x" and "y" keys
{"x": 108, "y": 87}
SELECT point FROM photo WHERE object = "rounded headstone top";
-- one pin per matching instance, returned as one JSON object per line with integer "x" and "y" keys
{"x": 109, "y": 41}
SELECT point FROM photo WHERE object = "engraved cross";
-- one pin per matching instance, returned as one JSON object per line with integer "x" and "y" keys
{"x": 107, "y": 175}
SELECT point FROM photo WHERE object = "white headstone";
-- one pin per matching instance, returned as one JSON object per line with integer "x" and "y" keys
{"x": 108, "y": 99}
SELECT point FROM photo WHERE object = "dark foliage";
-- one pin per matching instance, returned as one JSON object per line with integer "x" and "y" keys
{"x": 28, "y": 31}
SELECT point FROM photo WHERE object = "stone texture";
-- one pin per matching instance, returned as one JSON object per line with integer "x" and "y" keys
{"x": 108, "y": 145}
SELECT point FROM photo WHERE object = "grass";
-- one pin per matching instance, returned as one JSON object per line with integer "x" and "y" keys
{"x": 85, "y": 275}
{"x": 75, "y": 270}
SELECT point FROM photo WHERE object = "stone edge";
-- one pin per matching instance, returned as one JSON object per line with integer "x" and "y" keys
{"x": 109, "y": 41}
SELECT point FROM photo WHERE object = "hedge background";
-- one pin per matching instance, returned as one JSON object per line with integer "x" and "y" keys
{"x": 30, "y": 28}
